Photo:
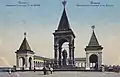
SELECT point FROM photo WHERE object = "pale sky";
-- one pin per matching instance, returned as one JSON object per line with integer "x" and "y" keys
{"x": 40, "y": 22}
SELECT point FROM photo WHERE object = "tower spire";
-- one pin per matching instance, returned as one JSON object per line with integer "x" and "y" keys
{"x": 24, "y": 34}
{"x": 93, "y": 40}
{"x": 93, "y": 27}
{"x": 64, "y": 3}
{"x": 64, "y": 23}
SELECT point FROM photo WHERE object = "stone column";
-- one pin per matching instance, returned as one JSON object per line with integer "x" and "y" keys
{"x": 87, "y": 61}
{"x": 99, "y": 60}
{"x": 81, "y": 64}
{"x": 60, "y": 54}
{"x": 36, "y": 64}
{"x": 32, "y": 62}
{"x": 17, "y": 60}
{"x": 73, "y": 58}
{"x": 78, "y": 64}
{"x": 56, "y": 55}
{"x": 70, "y": 54}
{"x": 85, "y": 64}
{"x": 26, "y": 61}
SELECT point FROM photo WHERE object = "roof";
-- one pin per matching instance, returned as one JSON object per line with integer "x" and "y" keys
{"x": 93, "y": 40}
{"x": 93, "y": 43}
{"x": 48, "y": 59}
{"x": 24, "y": 45}
{"x": 64, "y": 27}
{"x": 64, "y": 24}
{"x": 80, "y": 59}
{"x": 41, "y": 58}
{"x": 25, "y": 48}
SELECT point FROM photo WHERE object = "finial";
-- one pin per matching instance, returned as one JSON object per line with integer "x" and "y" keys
{"x": 93, "y": 27}
{"x": 64, "y": 3}
{"x": 25, "y": 34}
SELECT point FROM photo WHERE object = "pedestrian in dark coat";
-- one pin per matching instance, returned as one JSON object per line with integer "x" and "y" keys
{"x": 44, "y": 70}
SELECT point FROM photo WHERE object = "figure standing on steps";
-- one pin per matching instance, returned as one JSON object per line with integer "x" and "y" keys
{"x": 64, "y": 54}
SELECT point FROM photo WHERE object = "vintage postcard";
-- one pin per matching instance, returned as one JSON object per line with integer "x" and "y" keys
{"x": 75, "y": 38}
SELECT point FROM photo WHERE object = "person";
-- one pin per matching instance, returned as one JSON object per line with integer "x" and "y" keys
{"x": 9, "y": 71}
{"x": 96, "y": 66}
{"x": 103, "y": 68}
{"x": 34, "y": 69}
{"x": 51, "y": 70}
{"x": 44, "y": 70}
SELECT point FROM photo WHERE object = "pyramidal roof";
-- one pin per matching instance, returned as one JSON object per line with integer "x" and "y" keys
{"x": 93, "y": 40}
{"x": 93, "y": 43}
{"x": 63, "y": 26}
{"x": 64, "y": 23}
{"x": 25, "y": 45}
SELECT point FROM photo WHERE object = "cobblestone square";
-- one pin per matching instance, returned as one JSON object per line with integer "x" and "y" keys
{"x": 61, "y": 74}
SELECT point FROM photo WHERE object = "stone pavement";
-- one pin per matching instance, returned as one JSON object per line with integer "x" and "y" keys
{"x": 61, "y": 74}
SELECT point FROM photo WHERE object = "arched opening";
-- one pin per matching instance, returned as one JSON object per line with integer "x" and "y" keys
{"x": 30, "y": 63}
{"x": 93, "y": 61}
{"x": 22, "y": 62}
{"x": 36, "y": 64}
{"x": 66, "y": 58}
{"x": 63, "y": 52}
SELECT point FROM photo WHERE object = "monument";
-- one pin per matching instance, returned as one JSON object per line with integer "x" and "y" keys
{"x": 26, "y": 54}
{"x": 93, "y": 53}
{"x": 63, "y": 34}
